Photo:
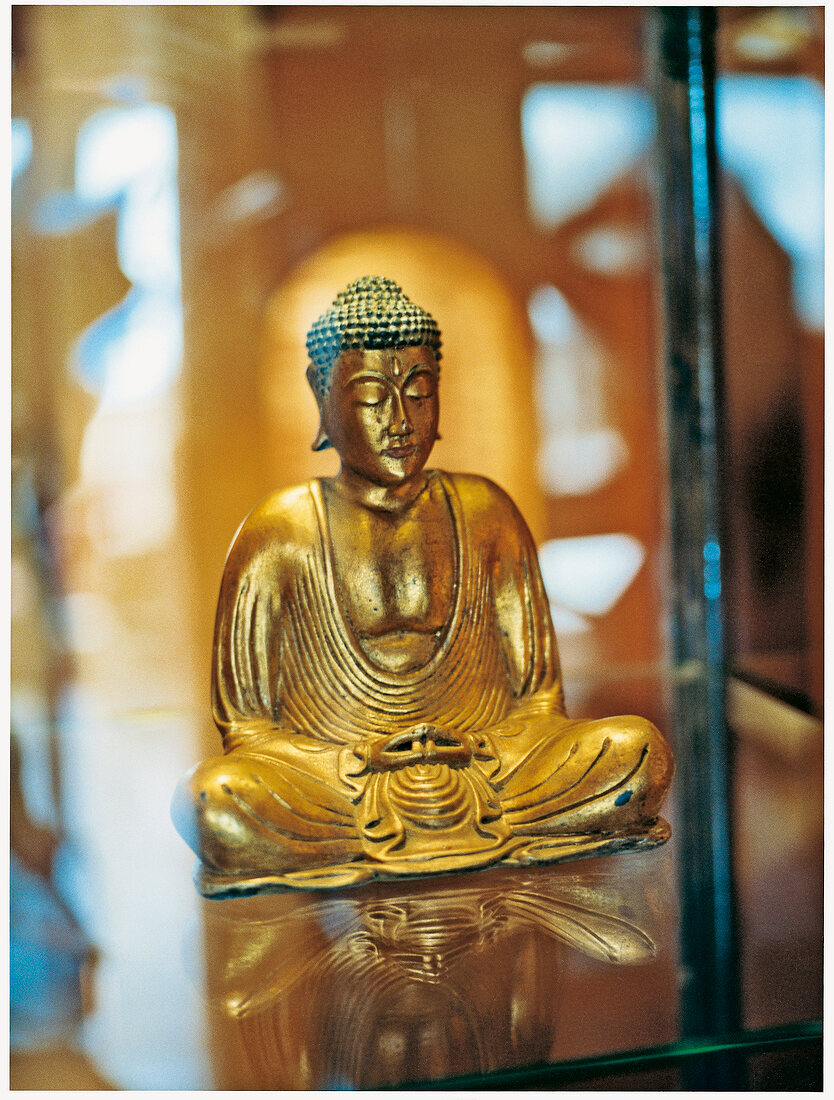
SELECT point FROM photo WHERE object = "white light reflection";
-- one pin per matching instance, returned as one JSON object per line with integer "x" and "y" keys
{"x": 612, "y": 250}
{"x": 130, "y": 356}
{"x": 577, "y": 139}
{"x": 771, "y": 136}
{"x": 551, "y": 316}
{"x": 567, "y": 622}
{"x": 574, "y": 463}
{"x": 118, "y": 145}
{"x": 580, "y": 449}
{"x": 256, "y": 197}
{"x": 127, "y": 157}
{"x": 588, "y": 575}
{"x": 134, "y": 352}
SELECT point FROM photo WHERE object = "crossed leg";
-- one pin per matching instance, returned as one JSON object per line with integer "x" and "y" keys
{"x": 265, "y": 812}
{"x": 276, "y": 809}
{"x": 563, "y": 776}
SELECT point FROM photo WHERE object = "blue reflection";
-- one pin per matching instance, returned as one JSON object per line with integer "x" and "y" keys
{"x": 701, "y": 191}
{"x": 106, "y": 332}
{"x": 577, "y": 139}
{"x": 46, "y": 953}
{"x": 21, "y": 146}
{"x": 712, "y": 570}
{"x": 60, "y": 212}
{"x": 771, "y": 136}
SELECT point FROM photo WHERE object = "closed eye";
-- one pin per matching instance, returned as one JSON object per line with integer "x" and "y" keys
{"x": 367, "y": 391}
{"x": 419, "y": 387}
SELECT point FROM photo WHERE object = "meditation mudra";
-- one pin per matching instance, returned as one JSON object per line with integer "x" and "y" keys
{"x": 386, "y": 678}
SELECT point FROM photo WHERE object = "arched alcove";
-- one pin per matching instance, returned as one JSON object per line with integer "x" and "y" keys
{"x": 487, "y": 418}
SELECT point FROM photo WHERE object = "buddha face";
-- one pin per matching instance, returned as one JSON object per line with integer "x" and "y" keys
{"x": 381, "y": 412}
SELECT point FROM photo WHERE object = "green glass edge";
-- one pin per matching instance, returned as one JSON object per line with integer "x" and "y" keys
{"x": 546, "y": 1073}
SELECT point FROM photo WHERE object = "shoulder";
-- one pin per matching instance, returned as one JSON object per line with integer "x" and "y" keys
{"x": 286, "y": 512}
{"x": 282, "y": 526}
{"x": 484, "y": 502}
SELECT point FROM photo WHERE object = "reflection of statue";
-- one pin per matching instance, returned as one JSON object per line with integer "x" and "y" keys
{"x": 386, "y": 677}
{"x": 397, "y": 982}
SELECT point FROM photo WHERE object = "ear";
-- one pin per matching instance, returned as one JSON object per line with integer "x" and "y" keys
{"x": 321, "y": 442}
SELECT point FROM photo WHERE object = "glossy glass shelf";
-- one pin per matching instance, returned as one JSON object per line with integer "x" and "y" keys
{"x": 400, "y": 982}
{"x": 496, "y": 979}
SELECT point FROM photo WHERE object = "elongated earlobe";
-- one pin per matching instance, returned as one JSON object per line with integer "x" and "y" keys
{"x": 321, "y": 442}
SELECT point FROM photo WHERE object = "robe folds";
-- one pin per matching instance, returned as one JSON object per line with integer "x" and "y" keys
{"x": 296, "y": 798}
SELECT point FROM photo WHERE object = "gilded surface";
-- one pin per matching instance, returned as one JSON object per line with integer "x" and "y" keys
{"x": 386, "y": 677}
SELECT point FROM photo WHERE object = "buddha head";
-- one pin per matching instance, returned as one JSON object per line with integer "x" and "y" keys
{"x": 374, "y": 373}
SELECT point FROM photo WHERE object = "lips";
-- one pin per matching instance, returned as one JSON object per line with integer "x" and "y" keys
{"x": 402, "y": 451}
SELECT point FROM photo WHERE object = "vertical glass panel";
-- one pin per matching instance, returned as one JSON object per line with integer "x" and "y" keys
{"x": 771, "y": 141}
{"x": 770, "y": 104}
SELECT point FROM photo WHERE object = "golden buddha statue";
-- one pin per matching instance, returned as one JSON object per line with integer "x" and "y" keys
{"x": 386, "y": 678}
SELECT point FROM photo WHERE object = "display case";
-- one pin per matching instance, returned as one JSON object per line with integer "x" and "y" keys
{"x": 627, "y": 267}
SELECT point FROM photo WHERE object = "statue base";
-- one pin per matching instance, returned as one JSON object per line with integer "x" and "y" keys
{"x": 518, "y": 852}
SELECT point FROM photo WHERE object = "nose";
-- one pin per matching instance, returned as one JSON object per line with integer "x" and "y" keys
{"x": 401, "y": 423}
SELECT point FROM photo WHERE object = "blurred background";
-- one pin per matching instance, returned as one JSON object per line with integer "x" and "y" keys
{"x": 190, "y": 188}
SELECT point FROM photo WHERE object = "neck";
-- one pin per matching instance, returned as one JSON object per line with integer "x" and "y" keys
{"x": 381, "y": 498}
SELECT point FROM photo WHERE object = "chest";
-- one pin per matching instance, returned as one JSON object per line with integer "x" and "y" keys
{"x": 395, "y": 572}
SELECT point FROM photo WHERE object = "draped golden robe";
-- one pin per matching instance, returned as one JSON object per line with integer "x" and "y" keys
{"x": 297, "y": 798}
